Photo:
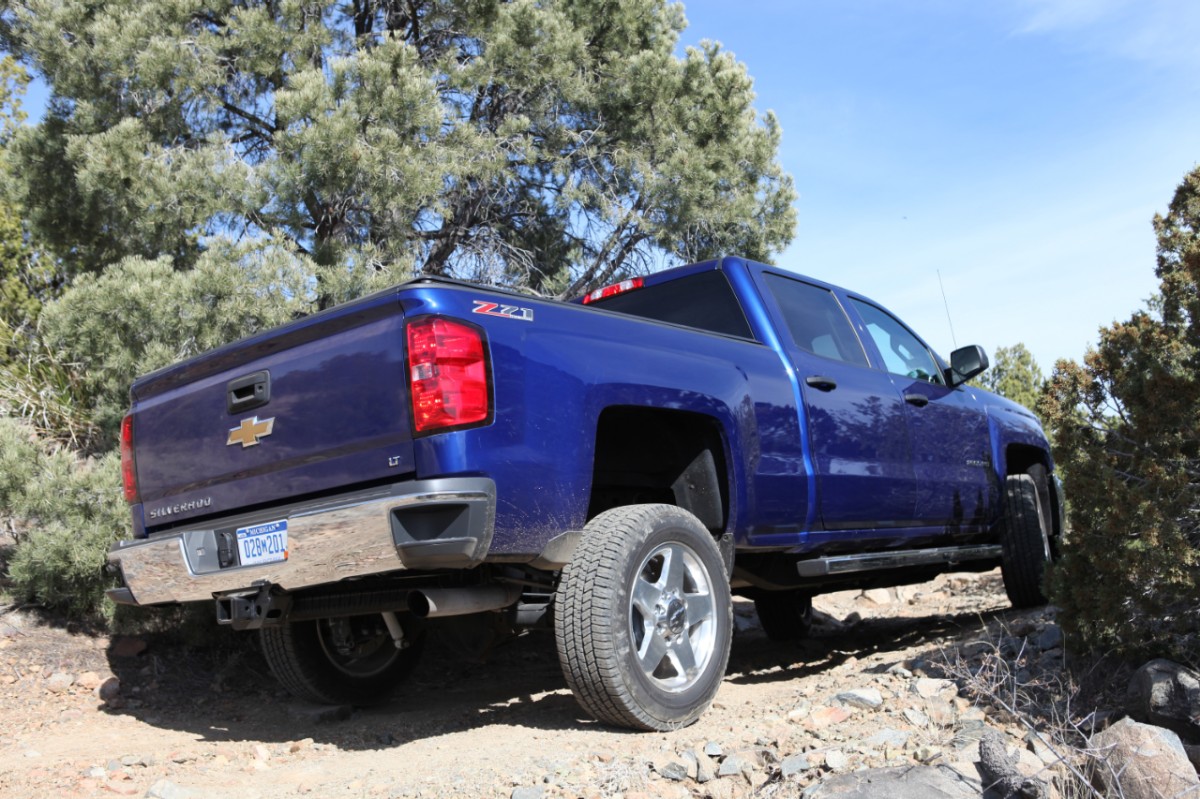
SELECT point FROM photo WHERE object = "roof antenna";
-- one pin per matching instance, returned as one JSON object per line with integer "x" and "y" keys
{"x": 953, "y": 338}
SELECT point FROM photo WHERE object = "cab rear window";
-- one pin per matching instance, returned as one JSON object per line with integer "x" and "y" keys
{"x": 704, "y": 301}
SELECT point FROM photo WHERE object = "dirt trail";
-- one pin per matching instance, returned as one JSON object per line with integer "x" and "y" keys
{"x": 215, "y": 724}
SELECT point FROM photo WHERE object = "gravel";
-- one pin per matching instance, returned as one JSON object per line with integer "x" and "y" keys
{"x": 848, "y": 698}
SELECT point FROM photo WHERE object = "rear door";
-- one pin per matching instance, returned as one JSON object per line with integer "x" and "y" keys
{"x": 857, "y": 420}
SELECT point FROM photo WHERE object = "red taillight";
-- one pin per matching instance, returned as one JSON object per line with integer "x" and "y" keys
{"x": 128, "y": 474}
{"x": 613, "y": 290}
{"x": 447, "y": 374}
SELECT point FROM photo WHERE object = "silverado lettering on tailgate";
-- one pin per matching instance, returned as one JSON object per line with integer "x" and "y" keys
{"x": 171, "y": 510}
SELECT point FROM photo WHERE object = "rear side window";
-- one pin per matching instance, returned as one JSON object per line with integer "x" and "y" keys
{"x": 816, "y": 320}
{"x": 705, "y": 301}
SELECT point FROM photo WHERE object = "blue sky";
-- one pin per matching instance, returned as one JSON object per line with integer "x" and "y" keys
{"x": 1019, "y": 147}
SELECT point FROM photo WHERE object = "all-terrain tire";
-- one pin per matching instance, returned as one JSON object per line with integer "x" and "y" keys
{"x": 643, "y": 618}
{"x": 1026, "y": 542}
{"x": 784, "y": 615}
{"x": 304, "y": 658}
{"x": 1041, "y": 479}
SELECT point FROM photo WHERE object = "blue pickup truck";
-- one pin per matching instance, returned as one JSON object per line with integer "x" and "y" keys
{"x": 614, "y": 467}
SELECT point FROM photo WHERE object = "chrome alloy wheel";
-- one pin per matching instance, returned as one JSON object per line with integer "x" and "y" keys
{"x": 672, "y": 618}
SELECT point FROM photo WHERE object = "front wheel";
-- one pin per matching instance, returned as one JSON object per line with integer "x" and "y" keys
{"x": 1026, "y": 541}
{"x": 643, "y": 618}
{"x": 342, "y": 661}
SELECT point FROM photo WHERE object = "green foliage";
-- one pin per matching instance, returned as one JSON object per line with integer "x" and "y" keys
{"x": 1015, "y": 375}
{"x": 552, "y": 144}
{"x": 18, "y": 304}
{"x": 142, "y": 315}
{"x": 21, "y": 278}
{"x": 1127, "y": 424}
{"x": 67, "y": 512}
{"x": 19, "y": 454}
{"x": 39, "y": 386}
{"x": 14, "y": 80}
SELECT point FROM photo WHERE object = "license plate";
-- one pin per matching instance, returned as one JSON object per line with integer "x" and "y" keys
{"x": 263, "y": 543}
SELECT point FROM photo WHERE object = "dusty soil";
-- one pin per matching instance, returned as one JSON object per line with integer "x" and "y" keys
{"x": 213, "y": 723}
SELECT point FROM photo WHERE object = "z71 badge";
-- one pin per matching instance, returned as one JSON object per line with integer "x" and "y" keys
{"x": 506, "y": 311}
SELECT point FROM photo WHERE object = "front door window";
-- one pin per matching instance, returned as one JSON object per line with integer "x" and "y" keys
{"x": 902, "y": 352}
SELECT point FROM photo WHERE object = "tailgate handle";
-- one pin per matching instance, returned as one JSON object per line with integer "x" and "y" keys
{"x": 250, "y": 391}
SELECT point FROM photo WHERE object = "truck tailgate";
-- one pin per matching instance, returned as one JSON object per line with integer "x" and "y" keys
{"x": 294, "y": 412}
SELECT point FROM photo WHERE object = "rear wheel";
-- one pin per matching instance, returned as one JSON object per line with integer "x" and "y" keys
{"x": 349, "y": 660}
{"x": 643, "y": 618}
{"x": 784, "y": 615}
{"x": 1026, "y": 541}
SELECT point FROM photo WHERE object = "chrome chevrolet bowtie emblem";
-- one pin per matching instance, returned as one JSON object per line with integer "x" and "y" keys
{"x": 250, "y": 431}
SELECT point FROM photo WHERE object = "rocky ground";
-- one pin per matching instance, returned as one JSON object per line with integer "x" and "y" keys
{"x": 883, "y": 681}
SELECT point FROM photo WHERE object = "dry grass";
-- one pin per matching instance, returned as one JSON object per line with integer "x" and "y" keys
{"x": 1057, "y": 706}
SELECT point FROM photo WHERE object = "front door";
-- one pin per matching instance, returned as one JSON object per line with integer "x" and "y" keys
{"x": 950, "y": 441}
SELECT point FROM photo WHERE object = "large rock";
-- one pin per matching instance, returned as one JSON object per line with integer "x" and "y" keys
{"x": 999, "y": 768}
{"x": 108, "y": 691}
{"x": 1166, "y": 694}
{"x": 1139, "y": 761}
{"x": 900, "y": 782}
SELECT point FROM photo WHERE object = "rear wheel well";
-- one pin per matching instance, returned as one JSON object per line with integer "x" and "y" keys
{"x": 651, "y": 455}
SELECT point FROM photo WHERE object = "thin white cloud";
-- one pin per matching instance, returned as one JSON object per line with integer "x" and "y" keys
{"x": 1047, "y": 16}
{"x": 1159, "y": 32}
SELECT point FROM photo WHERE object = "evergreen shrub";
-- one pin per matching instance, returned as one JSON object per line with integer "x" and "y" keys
{"x": 68, "y": 512}
{"x": 1127, "y": 428}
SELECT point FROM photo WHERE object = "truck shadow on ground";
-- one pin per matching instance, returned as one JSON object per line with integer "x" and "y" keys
{"x": 227, "y": 693}
{"x": 760, "y": 660}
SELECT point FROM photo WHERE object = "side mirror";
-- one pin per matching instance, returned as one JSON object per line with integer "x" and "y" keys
{"x": 965, "y": 363}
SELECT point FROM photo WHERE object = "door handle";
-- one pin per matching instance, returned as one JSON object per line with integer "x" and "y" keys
{"x": 821, "y": 383}
{"x": 920, "y": 400}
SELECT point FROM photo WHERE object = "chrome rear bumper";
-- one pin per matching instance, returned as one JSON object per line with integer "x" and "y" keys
{"x": 425, "y": 524}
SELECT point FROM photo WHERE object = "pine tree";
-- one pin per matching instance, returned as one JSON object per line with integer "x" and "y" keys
{"x": 1015, "y": 375}
{"x": 553, "y": 144}
{"x": 19, "y": 303}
